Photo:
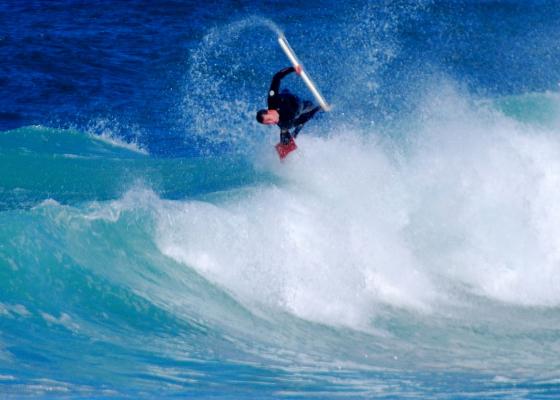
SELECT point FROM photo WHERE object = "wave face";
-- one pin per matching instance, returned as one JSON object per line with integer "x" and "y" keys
{"x": 157, "y": 248}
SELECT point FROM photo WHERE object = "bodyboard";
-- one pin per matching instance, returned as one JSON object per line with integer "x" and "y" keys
{"x": 304, "y": 76}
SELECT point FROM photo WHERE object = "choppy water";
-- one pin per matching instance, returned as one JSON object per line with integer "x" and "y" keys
{"x": 151, "y": 244}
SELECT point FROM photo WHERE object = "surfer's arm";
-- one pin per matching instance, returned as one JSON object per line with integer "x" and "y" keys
{"x": 275, "y": 84}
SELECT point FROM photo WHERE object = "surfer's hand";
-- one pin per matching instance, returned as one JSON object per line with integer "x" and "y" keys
{"x": 298, "y": 69}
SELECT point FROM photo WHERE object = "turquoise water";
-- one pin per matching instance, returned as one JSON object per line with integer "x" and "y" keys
{"x": 129, "y": 275}
{"x": 71, "y": 166}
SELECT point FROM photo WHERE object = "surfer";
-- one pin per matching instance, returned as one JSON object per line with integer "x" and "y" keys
{"x": 287, "y": 111}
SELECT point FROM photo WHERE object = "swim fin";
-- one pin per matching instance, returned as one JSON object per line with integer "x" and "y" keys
{"x": 285, "y": 149}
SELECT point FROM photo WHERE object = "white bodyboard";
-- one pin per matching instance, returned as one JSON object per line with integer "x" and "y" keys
{"x": 306, "y": 79}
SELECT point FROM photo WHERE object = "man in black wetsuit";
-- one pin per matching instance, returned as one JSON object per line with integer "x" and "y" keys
{"x": 285, "y": 109}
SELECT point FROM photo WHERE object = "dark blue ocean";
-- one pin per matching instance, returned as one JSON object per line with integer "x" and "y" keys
{"x": 152, "y": 245}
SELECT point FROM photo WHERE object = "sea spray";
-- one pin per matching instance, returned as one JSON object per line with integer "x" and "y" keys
{"x": 354, "y": 224}
{"x": 213, "y": 108}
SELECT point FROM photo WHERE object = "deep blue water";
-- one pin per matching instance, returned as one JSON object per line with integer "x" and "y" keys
{"x": 152, "y": 245}
{"x": 126, "y": 66}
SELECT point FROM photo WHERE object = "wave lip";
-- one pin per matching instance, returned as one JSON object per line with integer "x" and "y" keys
{"x": 49, "y": 141}
{"x": 360, "y": 221}
{"x": 117, "y": 142}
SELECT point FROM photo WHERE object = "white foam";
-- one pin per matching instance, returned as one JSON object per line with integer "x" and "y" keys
{"x": 64, "y": 320}
{"x": 326, "y": 246}
{"x": 137, "y": 197}
{"x": 109, "y": 138}
{"x": 486, "y": 202}
{"x": 49, "y": 203}
{"x": 468, "y": 202}
{"x": 105, "y": 130}
{"x": 14, "y": 309}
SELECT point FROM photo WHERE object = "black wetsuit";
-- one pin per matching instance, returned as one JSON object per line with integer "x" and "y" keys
{"x": 292, "y": 111}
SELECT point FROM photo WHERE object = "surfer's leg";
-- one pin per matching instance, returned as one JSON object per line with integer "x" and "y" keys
{"x": 306, "y": 106}
{"x": 296, "y": 131}
{"x": 285, "y": 137}
{"x": 303, "y": 118}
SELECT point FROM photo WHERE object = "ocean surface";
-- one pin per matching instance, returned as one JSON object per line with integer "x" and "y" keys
{"x": 153, "y": 246}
